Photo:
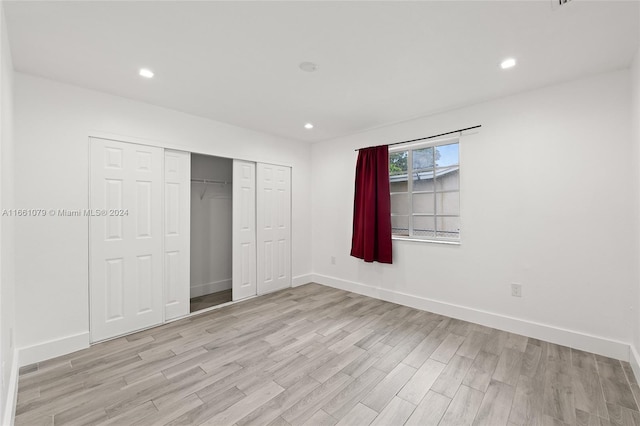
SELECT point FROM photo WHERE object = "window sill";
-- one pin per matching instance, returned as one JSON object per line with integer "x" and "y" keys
{"x": 420, "y": 240}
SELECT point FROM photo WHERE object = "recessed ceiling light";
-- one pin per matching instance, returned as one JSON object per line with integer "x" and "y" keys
{"x": 146, "y": 73}
{"x": 508, "y": 63}
{"x": 308, "y": 126}
{"x": 308, "y": 66}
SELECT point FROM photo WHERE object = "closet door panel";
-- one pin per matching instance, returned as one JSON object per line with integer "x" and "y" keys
{"x": 273, "y": 227}
{"x": 177, "y": 222}
{"x": 125, "y": 242}
{"x": 244, "y": 230}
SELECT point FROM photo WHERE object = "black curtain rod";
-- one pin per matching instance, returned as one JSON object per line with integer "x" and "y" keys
{"x": 428, "y": 137}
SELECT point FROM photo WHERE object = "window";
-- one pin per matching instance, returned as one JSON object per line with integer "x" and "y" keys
{"x": 425, "y": 191}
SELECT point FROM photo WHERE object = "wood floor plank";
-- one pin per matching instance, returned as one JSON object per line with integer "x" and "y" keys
{"x": 586, "y": 419}
{"x": 279, "y": 422}
{"x": 587, "y": 390}
{"x": 226, "y": 378}
{"x": 350, "y": 340}
{"x": 622, "y": 415}
{"x": 389, "y": 361}
{"x": 430, "y": 410}
{"x": 516, "y": 342}
{"x": 531, "y": 360}
{"x": 238, "y": 410}
{"x": 527, "y": 405}
{"x": 159, "y": 391}
{"x": 558, "y": 354}
{"x": 447, "y": 348}
{"x": 288, "y": 377}
{"x": 320, "y": 418}
{"x": 395, "y": 413}
{"x": 418, "y": 386}
{"x": 132, "y": 416}
{"x": 612, "y": 371}
{"x": 480, "y": 372}
{"x": 387, "y": 388}
{"x": 473, "y": 344}
{"x": 451, "y": 377}
{"x": 360, "y": 415}
{"x": 425, "y": 348}
{"x": 329, "y": 369}
{"x": 44, "y": 407}
{"x": 618, "y": 393}
{"x": 631, "y": 378}
{"x": 496, "y": 342}
{"x": 201, "y": 412}
{"x": 496, "y": 405}
{"x": 353, "y": 393}
{"x": 310, "y": 403}
{"x": 558, "y": 396}
{"x": 463, "y": 408}
{"x": 360, "y": 365}
{"x": 508, "y": 368}
{"x": 271, "y": 410}
{"x": 584, "y": 360}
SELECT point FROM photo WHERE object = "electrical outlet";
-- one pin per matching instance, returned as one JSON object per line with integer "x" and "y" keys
{"x": 516, "y": 290}
{"x": 333, "y": 260}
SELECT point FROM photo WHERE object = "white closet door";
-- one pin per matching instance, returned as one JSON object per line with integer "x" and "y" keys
{"x": 177, "y": 221}
{"x": 126, "y": 243}
{"x": 274, "y": 227}
{"x": 244, "y": 229}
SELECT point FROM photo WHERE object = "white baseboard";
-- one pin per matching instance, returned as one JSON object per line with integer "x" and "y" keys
{"x": 301, "y": 280}
{"x": 634, "y": 360}
{"x": 208, "y": 288}
{"x": 549, "y": 333}
{"x": 52, "y": 348}
{"x": 9, "y": 413}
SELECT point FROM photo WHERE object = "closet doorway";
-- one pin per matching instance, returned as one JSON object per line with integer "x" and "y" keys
{"x": 211, "y": 231}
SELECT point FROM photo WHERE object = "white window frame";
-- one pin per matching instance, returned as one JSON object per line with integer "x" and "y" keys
{"x": 410, "y": 148}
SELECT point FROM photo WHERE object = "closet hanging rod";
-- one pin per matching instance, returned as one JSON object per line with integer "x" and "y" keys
{"x": 223, "y": 182}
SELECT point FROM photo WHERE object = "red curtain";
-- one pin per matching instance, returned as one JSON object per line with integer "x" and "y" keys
{"x": 371, "y": 238}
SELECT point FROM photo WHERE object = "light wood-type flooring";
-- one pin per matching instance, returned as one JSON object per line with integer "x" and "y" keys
{"x": 314, "y": 355}
{"x": 209, "y": 300}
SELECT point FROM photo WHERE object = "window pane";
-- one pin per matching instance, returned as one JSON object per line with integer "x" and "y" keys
{"x": 423, "y": 158}
{"x": 400, "y": 225}
{"x": 432, "y": 208}
{"x": 448, "y": 203}
{"x": 400, "y": 204}
{"x": 447, "y": 155}
{"x": 448, "y": 179}
{"x": 398, "y": 163}
{"x": 423, "y": 226}
{"x": 398, "y": 184}
{"x": 423, "y": 181}
{"x": 423, "y": 203}
{"x": 448, "y": 227}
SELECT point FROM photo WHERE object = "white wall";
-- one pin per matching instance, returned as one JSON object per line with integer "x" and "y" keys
{"x": 545, "y": 202}
{"x": 635, "y": 158}
{"x": 8, "y": 375}
{"x": 211, "y": 225}
{"x": 53, "y": 122}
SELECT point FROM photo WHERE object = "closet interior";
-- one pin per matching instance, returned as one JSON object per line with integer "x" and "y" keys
{"x": 211, "y": 231}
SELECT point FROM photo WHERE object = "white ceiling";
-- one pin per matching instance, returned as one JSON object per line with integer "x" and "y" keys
{"x": 379, "y": 62}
